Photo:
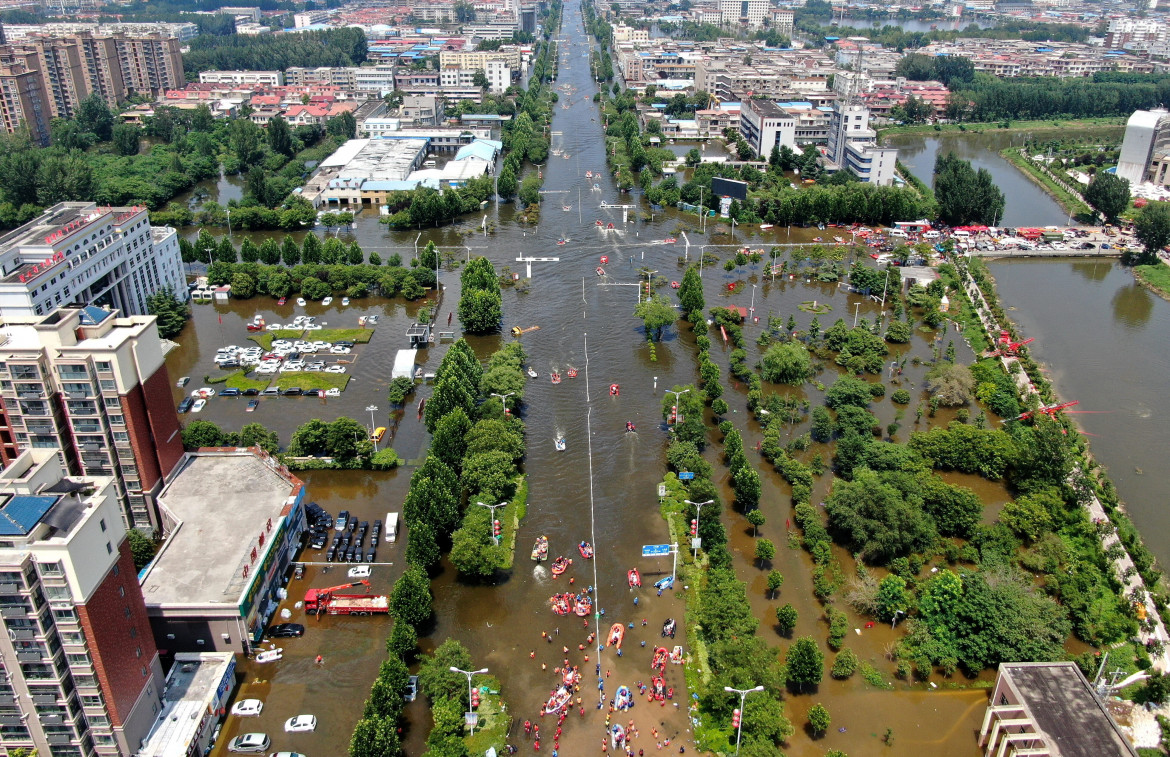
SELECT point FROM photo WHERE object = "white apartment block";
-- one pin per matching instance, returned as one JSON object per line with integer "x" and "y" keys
{"x": 79, "y": 253}
{"x": 764, "y": 125}
{"x": 852, "y": 146}
{"x": 499, "y": 76}
{"x": 630, "y": 34}
{"x": 749, "y": 13}
{"x": 473, "y": 59}
{"x": 268, "y": 78}
{"x": 309, "y": 18}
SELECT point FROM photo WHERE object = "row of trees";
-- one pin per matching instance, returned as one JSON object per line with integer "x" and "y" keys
{"x": 965, "y": 195}
{"x": 268, "y": 52}
{"x": 319, "y": 281}
{"x": 480, "y": 302}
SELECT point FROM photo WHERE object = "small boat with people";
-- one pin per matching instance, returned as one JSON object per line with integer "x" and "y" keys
{"x": 676, "y": 655}
{"x": 614, "y": 390}
{"x": 617, "y": 632}
{"x": 586, "y": 549}
{"x": 588, "y": 174}
{"x": 658, "y": 690}
{"x": 623, "y": 699}
{"x": 560, "y": 565}
{"x": 571, "y": 373}
{"x": 562, "y": 604}
{"x": 583, "y": 605}
{"x": 634, "y": 577}
{"x": 559, "y": 700}
{"x": 668, "y": 628}
{"x": 556, "y": 377}
{"x": 540, "y": 549}
{"x": 599, "y": 271}
{"x": 566, "y": 208}
{"x": 559, "y": 443}
{"x": 532, "y": 372}
{"x": 666, "y": 582}
{"x": 617, "y": 737}
{"x": 562, "y": 241}
{"x": 660, "y": 658}
{"x": 270, "y": 655}
{"x": 630, "y": 427}
{"x": 670, "y": 240}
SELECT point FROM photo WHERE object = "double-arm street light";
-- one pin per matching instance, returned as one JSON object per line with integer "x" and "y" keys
{"x": 469, "y": 674}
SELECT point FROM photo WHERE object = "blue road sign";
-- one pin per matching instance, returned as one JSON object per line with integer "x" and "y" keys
{"x": 686, "y": 475}
{"x": 655, "y": 550}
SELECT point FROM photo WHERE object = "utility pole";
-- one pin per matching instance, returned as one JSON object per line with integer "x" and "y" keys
{"x": 371, "y": 409}
{"x": 493, "y": 523}
{"x": 698, "y": 508}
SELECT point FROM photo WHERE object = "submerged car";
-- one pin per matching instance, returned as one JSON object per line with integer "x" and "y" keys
{"x": 248, "y": 707}
{"x": 249, "y": 742}
{"x": 301, "y": 724}
{"x": 286, "y": 630}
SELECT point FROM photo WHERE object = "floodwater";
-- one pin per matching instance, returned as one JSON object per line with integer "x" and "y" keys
{"x": 1100, "y": 335}
{"x": 601, "y": 489}
{"x": 916, "y": 25}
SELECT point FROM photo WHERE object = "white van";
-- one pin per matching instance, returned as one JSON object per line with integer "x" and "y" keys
{"x": 897, "y": 233}
{"x": 932, "y": 234}
{"x": 391, "y": 527}
{"x": 961, "y": 234}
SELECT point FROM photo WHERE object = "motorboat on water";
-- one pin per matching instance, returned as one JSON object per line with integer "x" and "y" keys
{"x": 617, "y": 632}
{"x": 634, "y": 577}
{"x": 560, "y": 565}
{"x": 660, "y": 658}
{"x": 556, "y": 377}
{"x": 586, "y": 549}
{"x": 562, "y": 604}
{"x": 532, "y": 373}
{"x": 623, "y": 699}
{"x": 540, "y": 549}
{"x": 668, "y": 628}
{"x": 617, "y": 737}
{"x": 571, "y": 676}
{"x": 559, "y": 700}
{"x": 571, "y": 373}
{"x": 559, "y": 442}
{"x": 270, "y": 655}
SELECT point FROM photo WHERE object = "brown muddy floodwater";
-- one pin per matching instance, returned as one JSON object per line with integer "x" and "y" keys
{"x": 601, "y": 489}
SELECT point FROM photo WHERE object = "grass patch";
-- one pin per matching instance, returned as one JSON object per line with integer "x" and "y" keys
{"x": 518, "y": 508}
{"x": 1155, "y": 276}
{"x": 357, "y": 336}
{"x": 873, "y": 676}
{"x": 312, "y": 380}
{"x": 263, "y": 339}
{"x": 978, "y": 128}
{"x": 240, "y": 380}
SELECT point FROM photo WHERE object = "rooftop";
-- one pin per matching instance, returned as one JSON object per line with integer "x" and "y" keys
{"x": 191, "y": 689}
{"x": 1065, "y": 709}
{"x": 219, "y": 502}
{"x": 376, "y": 159}
{"x": 21, "y": 513}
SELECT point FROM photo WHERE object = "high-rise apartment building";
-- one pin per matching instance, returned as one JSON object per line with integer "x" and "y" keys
{"x": 749, "y": 13}
{"x": 78, "y": 253}
{"x": 852, "y": 145}
{"x": 24, "y": 102}
{"x": 82, "y": 676}
{"x": 94, "y": 388}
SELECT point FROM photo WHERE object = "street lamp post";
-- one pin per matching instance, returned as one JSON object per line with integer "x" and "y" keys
{"x": 371, "y": 409}
{"x": 752, "y": 309}
{"x": 469, "y": 674}
{"x": 676, "y": 396}
{"x": 648, "y": 275}
{"x": 698, "y": 508}
{"x": 742, "y": 695}
{"x": 493, "y": 523}
{"x": 229, "y": 220}
{"x": 504, "y": 400}
{"x": 856, "y": 309}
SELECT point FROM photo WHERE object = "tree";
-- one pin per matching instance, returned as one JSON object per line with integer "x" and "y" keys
{"x": 172, "y": 315}
{"x": 257, "y": 435}
{"x": 343, "y": 125}
{"x": 805, "y": 663}
{"x": 775, "y": 581}
{"x": 280, "y": 139}
{"x": 449, "y": 442}
{"x": 756, "y": 519}
{"x": 822, "y": 425}
{"x": 473, "y": 550}
{"x": 693, "y": 157}
{"x": 1152, "y": 228}
{"x": 1027, "y": 517}
{"x": 64, "y": 177}
{"x": 786, "y": 363}
{"x": 403, "y": 641}
{"x": 848, "y": 391}
{"x": 892, "y": 598}
{"x": 746, "y": 482}
{"x": 951, "y": 383}
{"x": 290, "y": 251}
{"x": 656, "y": 313}
{"x": 94, "y": 115}
{"x": 690, "y": 293}
{"x": 198, "y": 434}
{"x": 375, "y": 737}
{"x": 818, "y": 719}
{"x": 435, "y": 677}
{"x": 506, "y": 183}
{"x": 876, "y": 518}
{"x": 244, "y": 140}
{"x": 142, "y": 548}
{"x": 410, "y": 601}
{"x": 480, "y": 305}
{"x": 786, "y": 617}
{"x": 844, "y": 664}
{"x": 1108, "y": 194}
{"x": 765, "y": 551}
{"x": 965, "y": 195}
{"x": 243, "y": 286}
{"x": 1155, "y": 690}
{"x": 422, "y": 546}
{"x": 125, "y": 138}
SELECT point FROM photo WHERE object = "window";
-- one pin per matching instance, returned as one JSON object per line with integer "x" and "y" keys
{"x": 65, "y": 615}
{"x": 104, "y": 366}
{"x": 102, "y": 523}
{"x": 109, "y": 549}
{"x": 108, "y": 386}
{"x": 78, "y": 659}
{"x": 50, "y": 568}
{"x": 126, "y": 611}
{"x": 118, "y": 420}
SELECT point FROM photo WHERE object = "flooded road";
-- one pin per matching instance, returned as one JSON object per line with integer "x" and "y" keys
{"x": 602, "y": 488}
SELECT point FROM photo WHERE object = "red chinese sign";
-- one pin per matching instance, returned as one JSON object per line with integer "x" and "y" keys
{"x": 41, "y": 267}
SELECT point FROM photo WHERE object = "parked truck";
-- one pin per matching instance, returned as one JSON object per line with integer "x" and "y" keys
{"x": 329, "y": 602}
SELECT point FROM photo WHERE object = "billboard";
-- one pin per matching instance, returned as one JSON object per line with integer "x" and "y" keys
{"x": 736, "y": 190}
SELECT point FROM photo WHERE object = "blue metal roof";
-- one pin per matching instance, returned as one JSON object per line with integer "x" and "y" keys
{"x": 23, "y": 512}
{"x": 92, "y": 316}
{"x": 478, "y": 149}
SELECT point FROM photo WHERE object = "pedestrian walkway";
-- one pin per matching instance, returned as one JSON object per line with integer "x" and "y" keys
{"x": 1134, "y": 588}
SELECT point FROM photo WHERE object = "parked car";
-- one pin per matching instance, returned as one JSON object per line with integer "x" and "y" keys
{"x": 292, "y": 391}
{"x": 271, "y": 391}
{"x": 185, "y": 405}
{"x": 342, "y": 520}
{"x": 286, "y": 630}
{"x": 229, "y": 392}
{"x": 249, "y": 742}
{"x": 412, "y": 688}
{"x": 301, "y": 724}
{"x": 248, "y": 707}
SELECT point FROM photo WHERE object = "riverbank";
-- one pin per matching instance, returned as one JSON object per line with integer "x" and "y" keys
{"x": 998, "y": 126}
{"x": 1072, "y": 204}
{"x": 1155, "y": 277}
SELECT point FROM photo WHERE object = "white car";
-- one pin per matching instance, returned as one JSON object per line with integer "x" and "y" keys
{"x": 359, "y": 571}
{"x": 313, "y": 327}
{"x": 249, "y": 742}
{"x": 273, "y": 327}
{"x": 199, "y": 405}
{"x": 301, "y": 724}
{"x": 372, "y": 319}
{"x": 248, "y": 707}
{"x": 335, "y": 369}
{"x": 322, "y": 345}
{"x": 334, "y": 392}
{"x": 339, "y": 350}
{"x": 281, "y": 344}
{"x": 293, "y": 365}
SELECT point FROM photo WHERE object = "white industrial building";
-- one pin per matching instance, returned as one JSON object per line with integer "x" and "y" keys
{"x": 853, "y": 146}
{"x": 1145, "y": 148}
{"x": 79, "y": 253}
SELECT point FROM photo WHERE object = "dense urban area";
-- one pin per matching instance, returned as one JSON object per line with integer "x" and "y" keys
{"x": 822, "y": 385}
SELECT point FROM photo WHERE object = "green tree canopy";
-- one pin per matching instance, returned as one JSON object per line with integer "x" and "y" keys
{"x": 786, "y": 363}
{"x": 1108, "y": 194}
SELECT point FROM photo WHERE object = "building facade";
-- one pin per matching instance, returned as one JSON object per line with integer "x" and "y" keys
{"x": 24, "y": 102}
{"x": 95, "y": 388}
{"x": 750, "y": 13}
{"x": 764, "y": 124}
{"x": 852, "y": 146}
{"x": 1145, "y": 148}
{"x": 82, "y": 672}
{"x": 78, "y": 253}
{"x": 263, "y": 78}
